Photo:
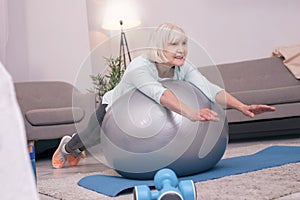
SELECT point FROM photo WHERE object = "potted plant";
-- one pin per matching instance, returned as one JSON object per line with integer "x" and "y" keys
{"x": 103, "y": 82}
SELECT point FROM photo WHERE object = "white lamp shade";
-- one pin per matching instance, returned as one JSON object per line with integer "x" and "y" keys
{"x": 116, "y": 10}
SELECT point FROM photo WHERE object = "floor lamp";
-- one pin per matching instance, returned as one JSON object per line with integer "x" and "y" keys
{"x": 123, "y": 45}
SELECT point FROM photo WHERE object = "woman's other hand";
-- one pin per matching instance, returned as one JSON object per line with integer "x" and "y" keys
{"x": 204, "y": 114}
{"x": 252, "y": 110}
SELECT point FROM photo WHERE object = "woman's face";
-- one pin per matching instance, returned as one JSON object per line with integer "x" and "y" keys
{"x": 176, "y": 52}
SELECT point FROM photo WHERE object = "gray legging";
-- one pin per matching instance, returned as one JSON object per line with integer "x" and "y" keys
{"x": 90, "y": 135}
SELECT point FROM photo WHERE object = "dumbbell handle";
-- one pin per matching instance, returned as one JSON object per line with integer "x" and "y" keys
{"x": 154, "y": 195}
{"x": 167, "y": 184}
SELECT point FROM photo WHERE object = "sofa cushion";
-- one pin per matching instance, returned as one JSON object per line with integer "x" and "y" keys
{"x": 261, "y": 74}
{"x": 289, "y": 110}
{"x": 54, "y": 116}
{"x": 270, "y": 96}
{"x": 44, "y": 94}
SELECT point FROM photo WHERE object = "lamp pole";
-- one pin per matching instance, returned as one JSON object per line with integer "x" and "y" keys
{"x": 123, "y": 45}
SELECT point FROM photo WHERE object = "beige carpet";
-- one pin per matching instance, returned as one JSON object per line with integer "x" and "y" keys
{"x": 271, "y": 183}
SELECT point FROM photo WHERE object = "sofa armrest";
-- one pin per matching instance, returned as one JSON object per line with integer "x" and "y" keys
{"x": 87, "y": 102}
{"x": 54, "y": 116}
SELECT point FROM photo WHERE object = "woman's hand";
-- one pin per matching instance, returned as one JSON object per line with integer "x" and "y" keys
{"x": 169, "y": 100}
{"x": 252, "y": 110}
{"x": 224, "y": 98}
{"x": 204, "y": 115}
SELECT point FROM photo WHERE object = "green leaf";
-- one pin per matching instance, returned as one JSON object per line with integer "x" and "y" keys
{"x": 102, "y": 83}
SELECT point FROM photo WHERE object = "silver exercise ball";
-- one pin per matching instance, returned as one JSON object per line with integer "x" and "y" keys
{"x": 140, "y": 137}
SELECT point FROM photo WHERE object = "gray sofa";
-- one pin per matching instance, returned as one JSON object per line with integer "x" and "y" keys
{"x": 52, "y": 109}
{"x": 49, "y": 112}
{"x": 261, "y": 81}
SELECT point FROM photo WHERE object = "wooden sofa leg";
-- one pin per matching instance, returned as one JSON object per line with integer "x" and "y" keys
{"x": 31, "y": 142}
{"x": 31, "y": 149}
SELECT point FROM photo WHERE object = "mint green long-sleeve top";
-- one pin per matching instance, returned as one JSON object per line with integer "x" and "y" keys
{"x": 142, "y": 74}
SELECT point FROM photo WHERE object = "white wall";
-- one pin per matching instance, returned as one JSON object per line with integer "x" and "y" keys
{"x": 16, "y": 59}
{"x": 48, "y": 40}
{"x": 231, "y": 30}
{"x": 3, "y": 30}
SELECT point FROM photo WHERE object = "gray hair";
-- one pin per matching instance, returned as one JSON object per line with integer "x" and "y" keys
{"x": 164, "y": 34}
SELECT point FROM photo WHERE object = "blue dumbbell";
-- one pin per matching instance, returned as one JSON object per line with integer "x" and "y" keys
{"x": 168, "y": 187}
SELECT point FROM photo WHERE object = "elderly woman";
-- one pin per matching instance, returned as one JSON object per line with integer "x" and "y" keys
{"x": 164, "y": 60}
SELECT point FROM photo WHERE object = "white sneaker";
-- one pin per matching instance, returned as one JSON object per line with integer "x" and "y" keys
{"x": 59, "y": 157}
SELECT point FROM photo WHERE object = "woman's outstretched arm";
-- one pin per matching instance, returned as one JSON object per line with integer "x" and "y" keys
{"x": 169, "y": 100}
{"x": 226, "y": 99}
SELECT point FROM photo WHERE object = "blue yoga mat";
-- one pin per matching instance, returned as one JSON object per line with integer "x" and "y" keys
{"x": 267, "y": 158}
